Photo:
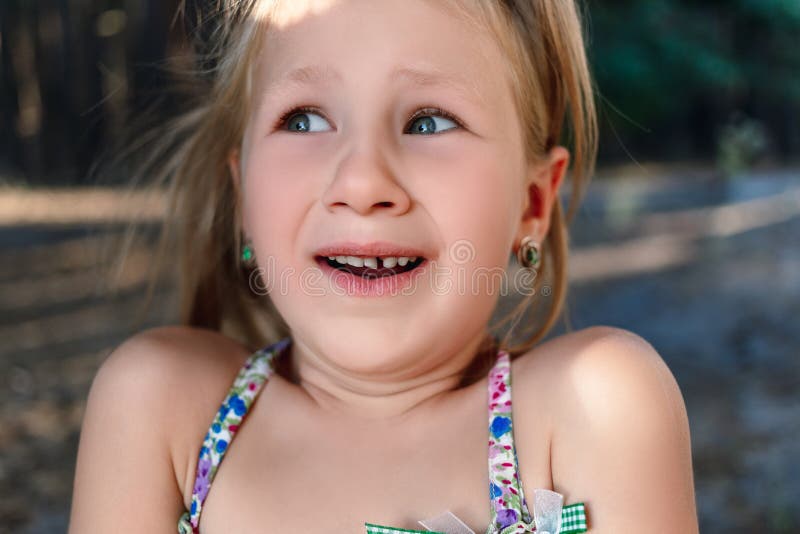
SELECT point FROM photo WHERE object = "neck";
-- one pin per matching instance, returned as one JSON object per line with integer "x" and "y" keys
{"x": 350, "y": 396}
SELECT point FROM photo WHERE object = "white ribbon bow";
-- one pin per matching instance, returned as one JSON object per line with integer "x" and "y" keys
{"x": 447, "y": 523}
{"x": 547, "y": 506}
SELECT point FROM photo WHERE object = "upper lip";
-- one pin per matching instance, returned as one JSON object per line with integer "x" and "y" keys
{"x": 372, "y": 248}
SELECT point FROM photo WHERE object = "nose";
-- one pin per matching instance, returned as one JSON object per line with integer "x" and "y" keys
{"x": 366, "y": 184}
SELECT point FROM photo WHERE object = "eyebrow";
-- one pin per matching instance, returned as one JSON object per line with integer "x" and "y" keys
{"x": 322, "y": 75}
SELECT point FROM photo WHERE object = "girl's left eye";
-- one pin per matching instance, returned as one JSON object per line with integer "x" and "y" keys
{"x": 426, "y": 123}
{"x": 300, "y": 119}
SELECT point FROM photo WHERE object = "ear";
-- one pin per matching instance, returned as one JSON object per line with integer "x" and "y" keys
{"x": 544, "y": 179}
{"x": 234, "y": 166}
{"x": 234, "y": 163}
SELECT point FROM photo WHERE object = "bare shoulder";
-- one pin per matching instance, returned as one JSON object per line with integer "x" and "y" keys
{"x": 184, "y": 368}
{"x": 168, "y": 356}
{"x": 620, "y": 432}
{"x": 153, "y": 396}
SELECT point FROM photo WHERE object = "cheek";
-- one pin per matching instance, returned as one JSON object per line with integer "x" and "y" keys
{"x": 274, "y": 202}
{"x": 281, "y": 173}
{"x": 476, "y": 209}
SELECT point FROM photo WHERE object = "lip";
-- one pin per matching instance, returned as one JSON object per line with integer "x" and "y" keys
{"x": 372, "y": 248}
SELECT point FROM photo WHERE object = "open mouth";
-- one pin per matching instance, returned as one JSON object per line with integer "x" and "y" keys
{"x": 372, "y": 266}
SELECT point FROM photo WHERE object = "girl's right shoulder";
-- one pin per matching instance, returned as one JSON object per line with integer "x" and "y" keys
{"x": 148, "y": 409}
{"x": 180, "y": 365}
{"x": 189, "y": 370}
{"x": 170, "y": 352}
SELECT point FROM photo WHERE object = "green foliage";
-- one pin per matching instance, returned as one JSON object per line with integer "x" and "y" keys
{"x": 739, "y": 145}
{"x": 659, "y": 61}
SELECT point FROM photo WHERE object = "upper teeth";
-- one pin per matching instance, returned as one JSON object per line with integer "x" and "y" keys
{"x": 372, "y": 262}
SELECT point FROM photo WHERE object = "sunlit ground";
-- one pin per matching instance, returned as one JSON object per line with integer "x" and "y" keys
{"x": 707, "y": 271}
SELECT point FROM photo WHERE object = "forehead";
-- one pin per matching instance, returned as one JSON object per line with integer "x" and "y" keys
{"x": 419, "y": 42}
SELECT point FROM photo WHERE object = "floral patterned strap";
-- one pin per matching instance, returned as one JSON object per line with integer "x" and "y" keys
{"x": 509, "y": 508}
{"x": 378, "y": 529}
{"x": 185, "y": 524}
{"x": 508, "y": 505}
{"x": 234, "y": 408}
{"x": 573, "y": 521}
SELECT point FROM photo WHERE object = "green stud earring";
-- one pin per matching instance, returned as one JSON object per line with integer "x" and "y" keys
{"x": 248, "y": 255}
{"x": 528, "y": 254}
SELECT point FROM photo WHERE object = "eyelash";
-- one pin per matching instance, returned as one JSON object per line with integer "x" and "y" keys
{"x": 424, "y": 112}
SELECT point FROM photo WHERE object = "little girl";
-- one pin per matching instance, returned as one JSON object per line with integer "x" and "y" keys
{"x": 345, "y": 192}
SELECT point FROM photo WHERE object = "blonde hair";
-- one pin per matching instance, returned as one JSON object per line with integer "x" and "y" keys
{"x": 544, "y": 44}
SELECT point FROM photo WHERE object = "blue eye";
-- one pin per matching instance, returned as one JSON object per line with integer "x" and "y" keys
{"x": 427, "y": 124}
{"x": 300, "y": 119}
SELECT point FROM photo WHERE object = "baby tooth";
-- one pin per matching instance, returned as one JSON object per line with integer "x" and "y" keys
{"x": 412, "y": 259}
{"x": 401, "y": 261}
{"x": 389, "y": 262}
{"x": 342, "y": 259}
{"x": 372, "y": 263}
{"x": 355, "y": 261}
{"x": 331, "y": 258}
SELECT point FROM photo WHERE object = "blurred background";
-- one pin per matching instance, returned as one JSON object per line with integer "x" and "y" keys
{"x": 685, "y": 236}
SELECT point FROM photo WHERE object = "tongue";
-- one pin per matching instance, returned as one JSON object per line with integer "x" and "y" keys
{"x": 368, "y": 272}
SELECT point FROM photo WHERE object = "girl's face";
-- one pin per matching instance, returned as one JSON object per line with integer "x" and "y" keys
{"x": 375, "y": 161}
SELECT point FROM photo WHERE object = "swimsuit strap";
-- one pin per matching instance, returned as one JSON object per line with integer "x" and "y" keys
{"x": 508, "y": 505}
{"x": 234, "y": 408}
{"x": 509, "y": 509}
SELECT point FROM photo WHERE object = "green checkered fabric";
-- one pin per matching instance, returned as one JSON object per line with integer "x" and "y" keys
{"x": 378, "y": 529}
{"x": 573, "y": 519}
